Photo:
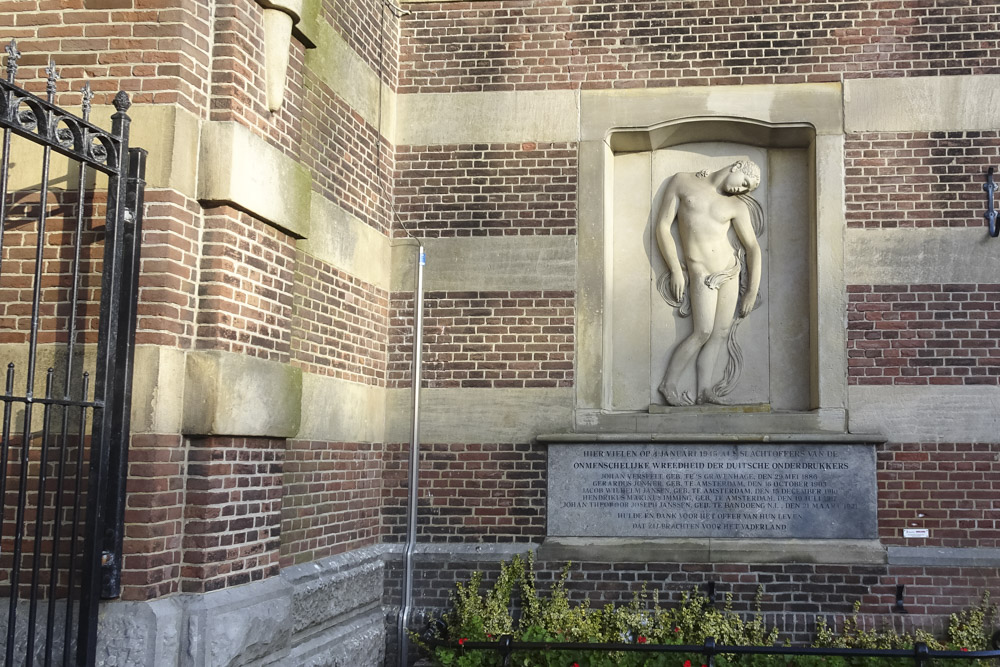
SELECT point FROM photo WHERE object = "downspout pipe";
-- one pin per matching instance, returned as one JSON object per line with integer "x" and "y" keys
{"x": 406, "y": 607}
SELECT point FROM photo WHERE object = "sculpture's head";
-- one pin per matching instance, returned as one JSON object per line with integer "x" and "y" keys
{"x": 743, "y": 177}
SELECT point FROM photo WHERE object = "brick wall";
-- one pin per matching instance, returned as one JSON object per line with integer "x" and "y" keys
{"x": 245, "y": 286}
{"x": 331, "y": 499}
{"x": 158, "y": 54}
{"x": 168, "y": 279}
{"x": 512, "y": 45}
{"x": 340, "y": 323}
{"x": 372, "y": 31}
{"x": 923, "y": 334}
{"x": 350, "y": 161}
{"x": 470, "y": 492}
{"x": 508, "y": 339}
{"x": 239, "y": 85}
{"x": 154, "y": 517}
{"x": 232, "y": 512}
{"x": 18, "y": 262}
{"x": 952, "y": 489}
{"x": 486, "y": 189}
{"x": 917, "y": 179}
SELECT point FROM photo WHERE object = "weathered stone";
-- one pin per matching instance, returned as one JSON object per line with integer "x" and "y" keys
{"x": 360, "y": 643}
{"x": 237, "y": 167}
{"x": 324, "y": 590}
{"x": 323, "y": 613}
{"x": 237, "y": 626}
{"x": 226, "y": 393}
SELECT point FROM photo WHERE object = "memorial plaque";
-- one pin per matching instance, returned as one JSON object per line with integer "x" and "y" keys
{"x": 704, "y": 490}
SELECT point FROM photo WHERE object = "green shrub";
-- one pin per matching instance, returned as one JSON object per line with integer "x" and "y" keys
{"x": 476, "y": 616}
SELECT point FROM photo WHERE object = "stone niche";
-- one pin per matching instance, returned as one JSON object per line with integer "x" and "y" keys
{"x": 772, "y": 475}
{"x": 793, "y": 370}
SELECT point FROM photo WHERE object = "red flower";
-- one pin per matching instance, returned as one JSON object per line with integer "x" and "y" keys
{"x": 642, "y": 640}
{"x": 489, "y": 636}
{"x": 687, "y": 663}
{"x": 965, "y": 649}
{"x": 575, "y": 664}
{"x": 461, "y": 642}
{"x": 676, "y": 629}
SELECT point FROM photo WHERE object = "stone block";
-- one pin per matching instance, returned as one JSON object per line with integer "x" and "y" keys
{"x": 232, "y": 394}
{"x": 239, "y": 168}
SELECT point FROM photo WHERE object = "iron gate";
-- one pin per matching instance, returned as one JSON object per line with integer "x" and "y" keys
{"x": 68, "y": 286}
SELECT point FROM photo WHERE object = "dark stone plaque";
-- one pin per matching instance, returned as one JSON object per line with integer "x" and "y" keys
{"x": 705, "y": 490}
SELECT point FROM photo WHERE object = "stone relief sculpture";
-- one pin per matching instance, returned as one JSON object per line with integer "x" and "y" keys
{"x": 715, "y": 278}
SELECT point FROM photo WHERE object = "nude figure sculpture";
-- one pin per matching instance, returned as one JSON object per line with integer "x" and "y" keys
{"x": 717, "y": 279}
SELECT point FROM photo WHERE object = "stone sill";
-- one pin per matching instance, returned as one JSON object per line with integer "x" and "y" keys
{"x": 711, "y": 550}
{"x": 826, "y": 438}
{"x": 945, "y": 556}
{"x": 732, "y": 420}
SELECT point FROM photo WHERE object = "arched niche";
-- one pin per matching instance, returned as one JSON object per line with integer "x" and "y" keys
{"x": 790, "y": 380}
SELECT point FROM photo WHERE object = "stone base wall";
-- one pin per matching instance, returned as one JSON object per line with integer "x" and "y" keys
{"x": 322, "y": 613}
{"x": 343, "y": 609}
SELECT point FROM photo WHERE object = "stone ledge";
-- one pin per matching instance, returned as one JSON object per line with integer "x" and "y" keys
{"x": 239, "y": 168}
{"x": 488, "y": 263}
{"x": 944, "y": 556}
{"x": 826, "y": 438}
{"x": 826, "y": 421}
{"x": 462, "y": 553}
{"x": 224, "y": 394}
{"x": 711, "y": 550}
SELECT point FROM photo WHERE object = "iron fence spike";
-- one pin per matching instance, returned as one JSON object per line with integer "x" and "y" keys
{"x": 88, "y": 95}
{"x": 13, "y": 55}
{"x": 52, "y": 75}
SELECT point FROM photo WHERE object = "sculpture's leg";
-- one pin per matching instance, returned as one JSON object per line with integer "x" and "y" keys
{"x": 725, "y": 315}
{"x": 703, "y": 308}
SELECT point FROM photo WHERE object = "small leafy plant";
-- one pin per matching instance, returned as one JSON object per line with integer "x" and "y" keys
{"x": 476, "y": 616}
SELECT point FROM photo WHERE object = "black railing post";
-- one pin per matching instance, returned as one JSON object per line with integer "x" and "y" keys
{"x": 120, "y": 404}
{"x": 96, "y": 559}
{"x": 709, "y": 651}
{"x": 920, "y": 654}
{"x": 506, "y": 647}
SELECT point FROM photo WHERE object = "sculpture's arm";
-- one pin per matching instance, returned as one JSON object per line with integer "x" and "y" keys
{"x": 664, "y": 221}
{"x": 744, "y": 231}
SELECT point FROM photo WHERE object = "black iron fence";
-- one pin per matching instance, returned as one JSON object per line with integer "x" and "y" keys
{"x": 505, "y": 648}
{"x": 69, "y": 252}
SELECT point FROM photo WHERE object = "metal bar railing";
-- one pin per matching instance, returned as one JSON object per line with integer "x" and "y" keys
{"x": 75, "y": 522}
{"x": 505, "y": 647}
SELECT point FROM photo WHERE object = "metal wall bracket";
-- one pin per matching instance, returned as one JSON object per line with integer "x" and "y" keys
{"x": 991, "y": 214}
{"x": 899, "y": 608}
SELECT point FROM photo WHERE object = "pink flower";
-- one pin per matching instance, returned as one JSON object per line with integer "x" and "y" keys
{"x": 461, "y": 642}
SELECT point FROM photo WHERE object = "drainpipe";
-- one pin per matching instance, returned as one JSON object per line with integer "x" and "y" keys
{"x": 403, "y": 642}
